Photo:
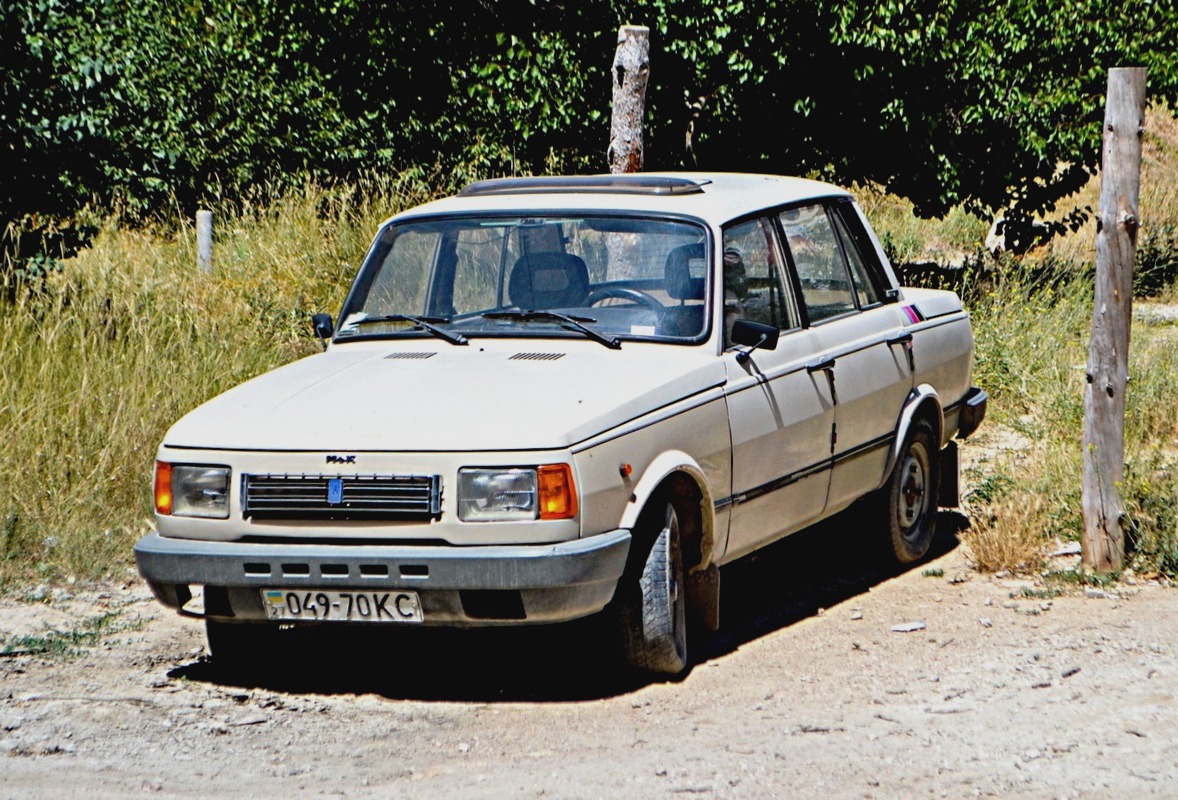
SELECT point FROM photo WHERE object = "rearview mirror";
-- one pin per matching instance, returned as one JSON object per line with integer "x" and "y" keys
{"x": 323, "y": 326}
{"x": 753, "y": 335}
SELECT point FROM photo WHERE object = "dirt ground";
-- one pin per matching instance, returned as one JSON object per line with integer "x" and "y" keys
{"x": 829, "y": 678}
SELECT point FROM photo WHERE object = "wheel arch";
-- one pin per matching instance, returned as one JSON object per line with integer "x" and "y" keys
{"x": 922, "y": 403}
{"x": 664, "y": 471}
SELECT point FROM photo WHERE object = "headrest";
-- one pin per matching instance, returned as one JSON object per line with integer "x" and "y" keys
{"x": 677, "y": 277}
{"x": 548, "y": 280}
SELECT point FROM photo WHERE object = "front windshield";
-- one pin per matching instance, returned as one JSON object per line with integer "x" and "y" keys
{"x": 619, "y": 277}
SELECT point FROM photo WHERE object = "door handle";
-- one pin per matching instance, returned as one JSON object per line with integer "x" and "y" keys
{"x": 820, "y": 366}
{"x": 906, "y": 340}
{"x": 826, "y": 366}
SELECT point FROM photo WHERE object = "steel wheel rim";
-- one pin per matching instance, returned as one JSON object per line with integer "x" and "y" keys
{"x": 913, "y": 501}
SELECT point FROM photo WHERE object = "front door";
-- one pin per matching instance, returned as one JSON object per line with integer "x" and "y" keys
{"x": 781, "y": 411}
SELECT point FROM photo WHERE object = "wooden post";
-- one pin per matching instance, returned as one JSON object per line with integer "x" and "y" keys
{"x": 204, "y": 241}
{"x": 630, "y": 73}
{"x": 1117, "y": 222}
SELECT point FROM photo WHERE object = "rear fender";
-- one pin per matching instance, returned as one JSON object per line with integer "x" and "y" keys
{"x": 924, "y": 401}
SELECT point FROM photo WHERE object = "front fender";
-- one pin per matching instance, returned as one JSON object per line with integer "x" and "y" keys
{"x": 662, "y": 467}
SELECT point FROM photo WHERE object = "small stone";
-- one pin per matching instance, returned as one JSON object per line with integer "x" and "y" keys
{"x": 661, "y": 772}
{"x": 986, "y": 622}
{"x": 1095, "y": 594}
{"x": 856, "y": 614}
{"x": 1012, "y": 605}
{"x": 908, "y": 627}
{"x": 989, "y": 601}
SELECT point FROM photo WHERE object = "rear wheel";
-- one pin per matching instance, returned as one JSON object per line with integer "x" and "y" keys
{"x": 653, "y": 608}
{"x": 909, "y": 499}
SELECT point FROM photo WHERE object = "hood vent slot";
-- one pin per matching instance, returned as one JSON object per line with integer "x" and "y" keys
{"x": 536, "y": 357}
{"x": 407, "y": 356}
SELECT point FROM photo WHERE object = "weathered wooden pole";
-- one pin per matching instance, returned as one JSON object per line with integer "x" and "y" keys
{"x": 630, "y": 73}
{"x": 1117, "y": 222}
{"x": 204, "y": 242}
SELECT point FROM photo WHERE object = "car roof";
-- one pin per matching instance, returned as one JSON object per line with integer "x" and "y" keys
{"x": 715, "y": 197}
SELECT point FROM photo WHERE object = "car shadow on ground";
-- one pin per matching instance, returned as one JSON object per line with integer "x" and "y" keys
{"x": 780, "y": 585}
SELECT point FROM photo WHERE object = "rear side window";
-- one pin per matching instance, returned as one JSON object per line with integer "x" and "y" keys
{"x": 818, "y": 258}
{"x": 868, "y": 273}
{"x": 865, "y": 290}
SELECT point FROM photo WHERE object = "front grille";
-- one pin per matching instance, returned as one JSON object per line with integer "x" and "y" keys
{"x": 342, "y": 497}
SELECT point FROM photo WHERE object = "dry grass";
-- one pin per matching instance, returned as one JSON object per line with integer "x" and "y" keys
{"x": 97, "y": 362}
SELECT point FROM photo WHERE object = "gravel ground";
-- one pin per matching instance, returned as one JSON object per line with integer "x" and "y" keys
{"x": 829, "y": 678}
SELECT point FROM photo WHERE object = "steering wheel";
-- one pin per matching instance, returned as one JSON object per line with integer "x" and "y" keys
{"x": 623, "y": 293}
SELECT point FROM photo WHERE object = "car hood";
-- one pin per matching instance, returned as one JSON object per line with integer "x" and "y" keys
{"x": 361, "y": 396}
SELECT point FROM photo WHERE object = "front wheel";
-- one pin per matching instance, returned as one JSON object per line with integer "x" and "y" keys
{"x": 910, "y": 495}
{"x": 652, "y": 610}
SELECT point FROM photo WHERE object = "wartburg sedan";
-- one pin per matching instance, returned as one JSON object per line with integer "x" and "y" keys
{"x": 548, "y": 398}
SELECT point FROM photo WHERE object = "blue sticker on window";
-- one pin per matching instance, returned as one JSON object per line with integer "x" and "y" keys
{"x": 335, "y": 491}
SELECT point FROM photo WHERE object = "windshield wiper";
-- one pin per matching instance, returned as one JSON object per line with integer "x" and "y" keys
{"x": 425, "y": 323}
{"x": 566, "y": 320}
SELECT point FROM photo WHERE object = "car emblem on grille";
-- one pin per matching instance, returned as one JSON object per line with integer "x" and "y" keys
{"x": 335, "y": 491}
{"x": 334, "y": 459}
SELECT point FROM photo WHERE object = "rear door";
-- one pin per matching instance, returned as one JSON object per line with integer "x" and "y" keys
{"x": 862, "y": 347}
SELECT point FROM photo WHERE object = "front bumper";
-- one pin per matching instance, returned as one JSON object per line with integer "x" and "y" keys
{"x": 484, "y": 585}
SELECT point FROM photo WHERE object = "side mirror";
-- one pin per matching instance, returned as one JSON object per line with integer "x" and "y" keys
{"x": 753, "y": 335}
{"x": 323, "y": 326}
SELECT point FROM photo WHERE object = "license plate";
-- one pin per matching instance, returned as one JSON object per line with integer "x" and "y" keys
{"x": 324, "y": 606}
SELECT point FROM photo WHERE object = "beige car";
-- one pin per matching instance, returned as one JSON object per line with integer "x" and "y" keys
{"x": 547, "y": 398}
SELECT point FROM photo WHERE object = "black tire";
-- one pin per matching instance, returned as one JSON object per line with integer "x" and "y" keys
{"x": 909, "y": 498}
{"x": 653, "y": 608}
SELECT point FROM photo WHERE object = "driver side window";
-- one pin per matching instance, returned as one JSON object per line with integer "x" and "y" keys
{"x": 753, "y": 287}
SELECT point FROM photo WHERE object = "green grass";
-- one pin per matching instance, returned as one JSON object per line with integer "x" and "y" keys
{"x": 1034, "y": 593}
{"x": 59, "y": 644}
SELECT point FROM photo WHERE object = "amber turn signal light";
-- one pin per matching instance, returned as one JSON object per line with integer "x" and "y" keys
{"x": 163, "y": 487}
{"x": 558, "y": 496}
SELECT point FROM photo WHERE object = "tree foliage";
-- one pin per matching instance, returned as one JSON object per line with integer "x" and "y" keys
{"x": 994, "y": 104}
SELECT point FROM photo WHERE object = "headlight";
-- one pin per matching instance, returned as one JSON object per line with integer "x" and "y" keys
{"x": 500, "y": 495}
{"x": 191, "y": 490}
